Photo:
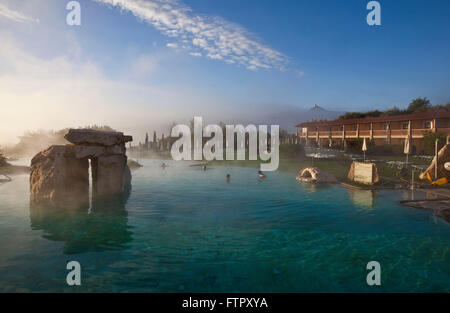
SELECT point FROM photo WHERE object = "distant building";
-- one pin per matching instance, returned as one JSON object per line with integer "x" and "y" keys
{"x": 381, "y": 130}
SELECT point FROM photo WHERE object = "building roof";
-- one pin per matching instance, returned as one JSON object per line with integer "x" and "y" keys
{"x": 379, "y": 119}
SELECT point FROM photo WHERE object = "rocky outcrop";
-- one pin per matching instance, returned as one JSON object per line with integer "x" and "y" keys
{"x": 94, "y": 137}
{"x": 57, "y": 177}
{"x": 133, "y": 165}
{"x": 443, "y": 157}
{"x": 314, "y": 174}
{"x": 60, "y": 174}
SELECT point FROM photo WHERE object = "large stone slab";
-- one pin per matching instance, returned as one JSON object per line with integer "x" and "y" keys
{"x": 58, "y": 178}
{"x": 95, "y": 137}
{"x": 439, "y": 207}
{"x": 97, "y": 151}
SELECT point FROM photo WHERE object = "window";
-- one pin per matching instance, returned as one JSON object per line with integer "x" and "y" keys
{"x": 428, "y": 124}
{"x": 405, "y": 125}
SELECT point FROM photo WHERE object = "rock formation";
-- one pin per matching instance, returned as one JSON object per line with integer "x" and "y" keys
{"x": 313, "y": 174}
{"x": 363, "y": 173}
{"x": 443, "y": 157}
{"x": 60, "y": 174}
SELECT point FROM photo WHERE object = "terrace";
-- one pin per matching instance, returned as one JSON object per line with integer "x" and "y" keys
{"x": 384, "y": 127}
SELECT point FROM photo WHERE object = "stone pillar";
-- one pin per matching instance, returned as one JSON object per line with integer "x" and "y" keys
{"x": 110, "y": 172}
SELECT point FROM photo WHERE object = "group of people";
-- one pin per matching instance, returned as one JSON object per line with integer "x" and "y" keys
{"x": 261, "y": 175}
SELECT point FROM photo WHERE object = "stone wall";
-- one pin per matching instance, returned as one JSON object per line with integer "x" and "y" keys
{"x": 60, "y": 174}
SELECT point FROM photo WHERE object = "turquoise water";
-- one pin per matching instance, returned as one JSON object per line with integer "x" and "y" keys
{"x": 182, "y": 229}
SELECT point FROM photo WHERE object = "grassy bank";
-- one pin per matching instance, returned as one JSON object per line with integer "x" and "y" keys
{"x": 392, "y": 175}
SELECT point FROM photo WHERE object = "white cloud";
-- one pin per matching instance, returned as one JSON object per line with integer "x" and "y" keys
{"x": 68, "y": 91}
{"x": 218, "y": 38}
{"x": 172, "y": 45}
{"x": 215, "y": 56}
{"x": 196, "y": 54}
{"x": 10, "y": 14}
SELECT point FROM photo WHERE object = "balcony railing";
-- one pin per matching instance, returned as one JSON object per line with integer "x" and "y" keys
{"x": 399, "y": 133}
{"x": 376, "y": 133}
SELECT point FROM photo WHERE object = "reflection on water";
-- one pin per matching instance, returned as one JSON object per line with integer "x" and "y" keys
{"x": 102, "y": 227}
{"x": 364, "y": 198}
{"x": 314, "y": 187}
{"x": 418, "y": 194}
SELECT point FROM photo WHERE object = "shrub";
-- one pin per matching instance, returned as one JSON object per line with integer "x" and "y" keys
{"x": 355, "y": 145}
{"x": 429, "y": 141}
{"x": 386, "y": 149}
{"x": 2, "y": 160}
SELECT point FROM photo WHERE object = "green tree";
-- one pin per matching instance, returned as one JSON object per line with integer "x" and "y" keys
{"x": 419, "y": 105}
{"x": 351, "y": 115}
{"x": 283, "y": 136}
{"x": 375, "y": 113}
{"x": 2, "y": 159}
{"x": 393, "y": 111}
{"x": 429, "y": 140}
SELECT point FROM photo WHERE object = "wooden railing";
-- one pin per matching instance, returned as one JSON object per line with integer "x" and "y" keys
{"x": 399, "y": 133}
{"x": 380, "y": 133}
{"x": 336, "y": 134}
{"x": 377, "y": 133}
{"x": 364, "y": 133}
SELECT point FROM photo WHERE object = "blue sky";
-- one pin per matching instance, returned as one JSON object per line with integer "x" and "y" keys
{"x": 142, "y": 64}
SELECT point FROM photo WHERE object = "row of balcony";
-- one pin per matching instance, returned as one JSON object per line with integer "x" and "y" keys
{"x": 394, "y": 133}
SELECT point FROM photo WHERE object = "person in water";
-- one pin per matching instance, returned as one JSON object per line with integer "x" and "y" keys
{"x": 164, "y": 165}
{"x": 204, "y": 167}
{"x": 261, "y": 174}
{"x": 227, "y": 178}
